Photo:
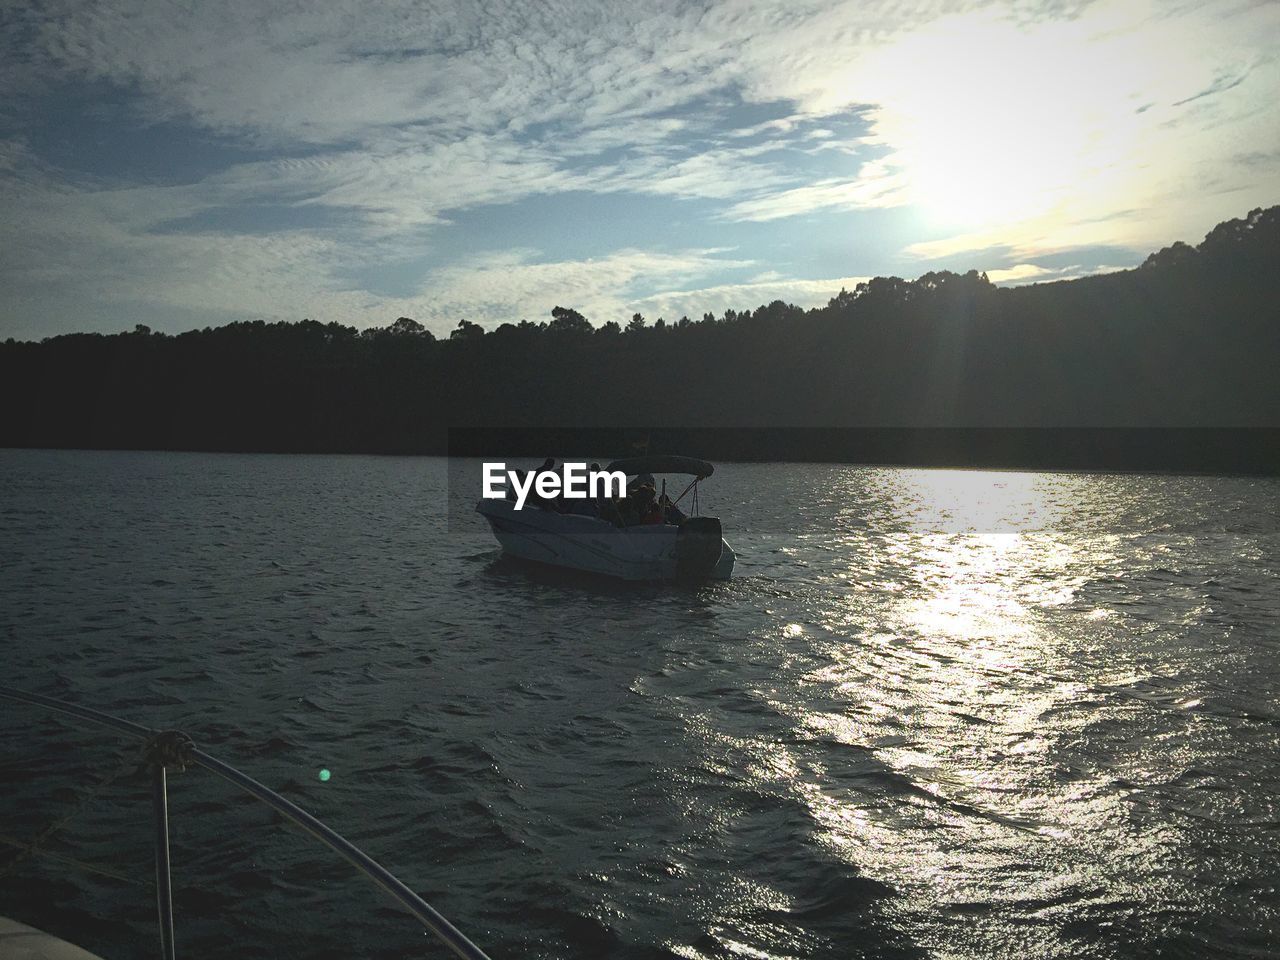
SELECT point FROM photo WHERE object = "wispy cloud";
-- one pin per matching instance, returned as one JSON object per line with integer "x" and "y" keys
{"x": 1000, "y": 132}
{"x": 874, "y": 186}
{"x": 717, "y": 299}
{"x": 512, "y": 286}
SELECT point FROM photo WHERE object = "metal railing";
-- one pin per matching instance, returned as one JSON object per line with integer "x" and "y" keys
{"x": 171, "y": 748}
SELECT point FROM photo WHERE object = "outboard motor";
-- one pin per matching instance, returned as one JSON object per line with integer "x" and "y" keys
{"x": 698, "y": 548}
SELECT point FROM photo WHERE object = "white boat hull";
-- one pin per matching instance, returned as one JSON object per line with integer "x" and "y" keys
{"x": 644, "y": 552}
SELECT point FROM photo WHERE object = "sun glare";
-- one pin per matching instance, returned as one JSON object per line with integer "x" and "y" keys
{"x": 994, "y": 122}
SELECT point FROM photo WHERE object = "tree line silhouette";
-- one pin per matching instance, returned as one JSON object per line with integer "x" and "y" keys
{"x": 1190, "y": 339}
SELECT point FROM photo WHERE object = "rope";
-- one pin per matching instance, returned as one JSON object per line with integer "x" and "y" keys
{"x": 693, "y": 503}
{"x": 29, "y": 850}
{"x": 33, "y": 848}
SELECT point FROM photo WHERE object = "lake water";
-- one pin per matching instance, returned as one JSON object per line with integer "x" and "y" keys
{"x": 935, "y": 713}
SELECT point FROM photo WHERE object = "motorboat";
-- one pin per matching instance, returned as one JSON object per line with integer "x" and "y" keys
{"x": 680, "y": 548}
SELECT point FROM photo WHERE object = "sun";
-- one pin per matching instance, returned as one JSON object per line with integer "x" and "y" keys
{"x": 991, "y": 121}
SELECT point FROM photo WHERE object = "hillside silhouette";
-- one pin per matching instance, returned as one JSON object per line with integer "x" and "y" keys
{"x": 1190, "y": 339}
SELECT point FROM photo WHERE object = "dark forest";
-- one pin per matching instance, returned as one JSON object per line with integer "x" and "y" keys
{"x": 1189, "y": 340}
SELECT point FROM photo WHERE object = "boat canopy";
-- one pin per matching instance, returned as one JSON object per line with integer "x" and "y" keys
{"x": 634, "y": 466}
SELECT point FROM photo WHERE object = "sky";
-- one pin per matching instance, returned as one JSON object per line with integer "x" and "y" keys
{"x": 187, "y": 164}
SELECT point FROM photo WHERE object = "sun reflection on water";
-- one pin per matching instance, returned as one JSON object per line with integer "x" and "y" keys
{"x": 981, "y": 690}
{"x": 943, "y": 679}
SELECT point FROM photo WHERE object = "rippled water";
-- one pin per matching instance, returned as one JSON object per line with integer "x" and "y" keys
{"x": 935, "y": 713}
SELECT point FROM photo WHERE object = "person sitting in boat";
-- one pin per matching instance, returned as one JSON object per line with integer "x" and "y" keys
{"x": 644, "y": 505}
{"x": 632, "y": 506}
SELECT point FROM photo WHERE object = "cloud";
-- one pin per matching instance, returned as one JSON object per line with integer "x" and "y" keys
{"x": 1007, "y": 131}
{"x": 873, "y": 187}
{"x": 672, "y": 305}
{"x": 401, "y": 185}
{"x": 335, "y": 72}
{"x": 715, "y": 175}
{"x": 514, "y": 286}
{"x": 99, "y": 275}
{"x": 1021, "y": 273}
